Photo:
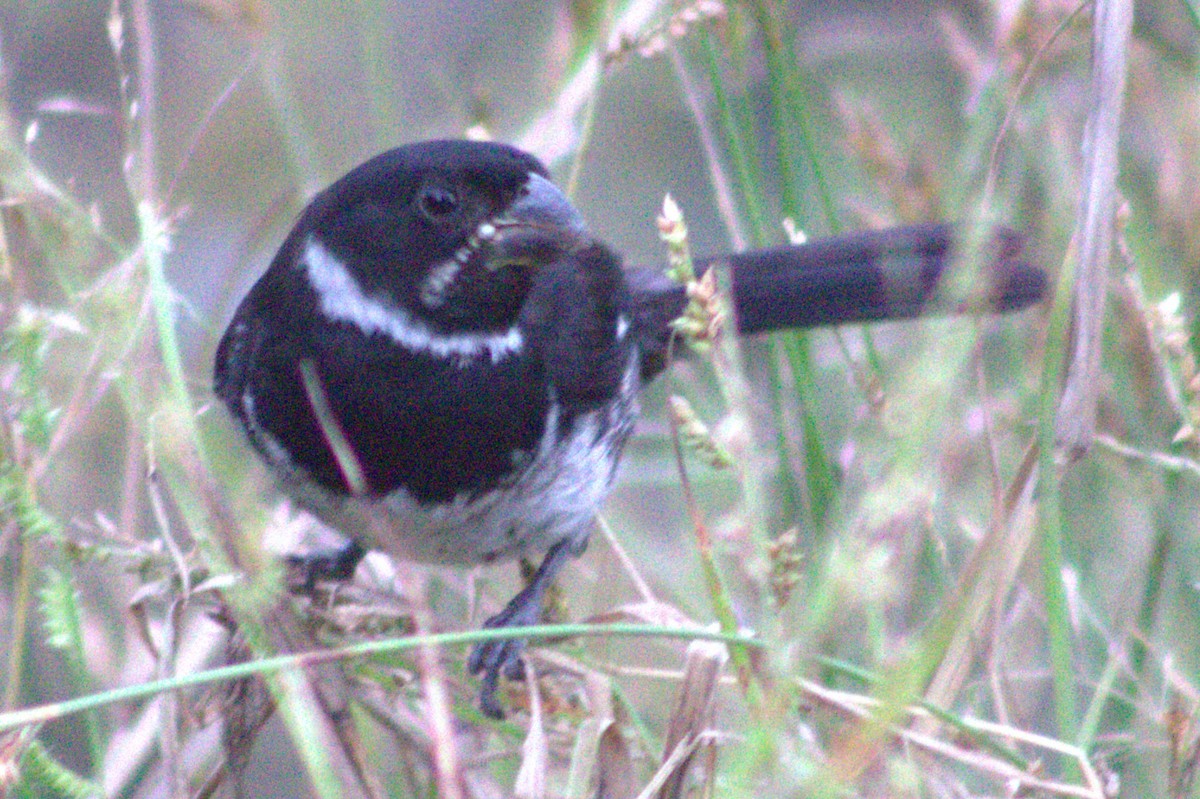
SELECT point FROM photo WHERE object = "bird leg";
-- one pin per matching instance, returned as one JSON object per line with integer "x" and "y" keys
{"x": 496, "y": 658}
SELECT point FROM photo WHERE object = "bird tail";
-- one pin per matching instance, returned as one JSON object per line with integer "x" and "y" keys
{"x": 872, "y": 276}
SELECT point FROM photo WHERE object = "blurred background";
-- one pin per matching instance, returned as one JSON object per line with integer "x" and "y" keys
{"x": 195, "y": 132}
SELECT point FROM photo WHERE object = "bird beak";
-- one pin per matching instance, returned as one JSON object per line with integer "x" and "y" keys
{"x": 536, "y": 228}
{"x": 542, "y": 205}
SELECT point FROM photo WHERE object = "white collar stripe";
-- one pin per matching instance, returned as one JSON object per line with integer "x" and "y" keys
{"x": 342, "y": 298}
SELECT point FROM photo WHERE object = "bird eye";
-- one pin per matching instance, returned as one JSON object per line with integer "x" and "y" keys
{"x": 437, "y": 202}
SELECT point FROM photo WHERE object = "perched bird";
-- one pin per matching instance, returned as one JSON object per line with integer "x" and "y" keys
{"x": 442, "y": 363}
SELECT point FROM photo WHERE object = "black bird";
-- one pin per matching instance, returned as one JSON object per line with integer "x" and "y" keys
{"x": 442, "y": 363}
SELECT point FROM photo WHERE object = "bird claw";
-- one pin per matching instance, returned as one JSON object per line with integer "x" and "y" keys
{"x": 496, "y": 659}
{"x": 334, "y": 564}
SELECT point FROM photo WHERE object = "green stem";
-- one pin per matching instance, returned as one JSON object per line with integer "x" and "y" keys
{"x": 748, "y": 177}
{"x": 1050, "y": 527}
{"x": 57, "y": 710}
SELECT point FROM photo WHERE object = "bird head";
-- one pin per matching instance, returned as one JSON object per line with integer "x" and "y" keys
{"x": 452, "y": 232}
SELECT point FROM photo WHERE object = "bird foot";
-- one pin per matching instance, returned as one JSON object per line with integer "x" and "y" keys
{"x": 335, "y": 564}
{"x": 494, "y": 659}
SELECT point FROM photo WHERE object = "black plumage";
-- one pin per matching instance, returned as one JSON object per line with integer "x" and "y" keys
{"x": 441, "y": 362}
